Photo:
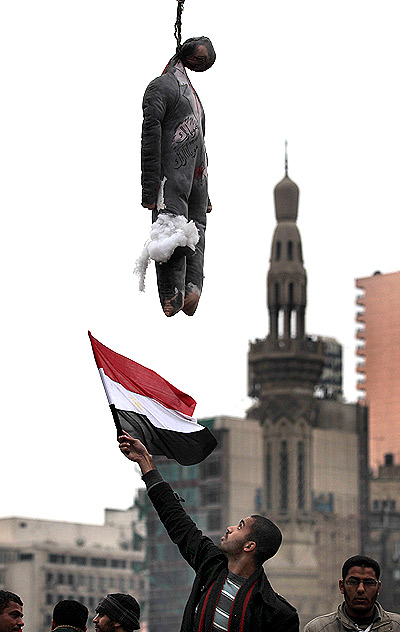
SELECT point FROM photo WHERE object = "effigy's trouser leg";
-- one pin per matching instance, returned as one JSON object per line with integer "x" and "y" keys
{"x": 195, "y": 264}
{"x": 171, "y": 280}
{"x": 194, "y": 275}
{"x": 171, "y": 284}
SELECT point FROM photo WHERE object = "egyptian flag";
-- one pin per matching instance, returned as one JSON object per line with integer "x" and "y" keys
{"x": 150, "y": 409}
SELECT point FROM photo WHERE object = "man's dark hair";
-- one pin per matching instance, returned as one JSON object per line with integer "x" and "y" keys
{"x": 70, "y": 612}
{"x": 267, "y": 536}
{"x": 5, "y": 597}
{"x": 361, "y": 560}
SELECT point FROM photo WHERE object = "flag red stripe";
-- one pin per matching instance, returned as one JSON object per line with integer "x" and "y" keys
{"x": 138, "y": 379}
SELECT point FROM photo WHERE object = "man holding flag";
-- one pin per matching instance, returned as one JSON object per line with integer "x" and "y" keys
{"x": 231, "y": 591}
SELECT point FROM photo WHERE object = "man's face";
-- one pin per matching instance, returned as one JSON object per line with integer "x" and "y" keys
{"x": 199, "y": 60}
{"x": 360, "y": 598}
{"x": 233, "y": 541}
{"x": 11, "y": 618}
{"x": 103, "y": 623}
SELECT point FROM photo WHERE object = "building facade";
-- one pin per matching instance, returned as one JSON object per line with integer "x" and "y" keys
{"x": 378, "y": 350}
{"x": 385, "y": 529}
{"x": 217, "y": 492}
{"x": 46, "y": 561}
{"x": 330, "y": 383}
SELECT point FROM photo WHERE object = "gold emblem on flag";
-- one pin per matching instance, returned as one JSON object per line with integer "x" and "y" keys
{"x": 136, "y": 402}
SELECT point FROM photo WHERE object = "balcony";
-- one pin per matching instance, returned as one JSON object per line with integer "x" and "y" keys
{"x": 360, "y": 334}
{"x": 360, "y": 300}
{"x": 361, "y": 385}
{"x": 360, "y": 351}
{"x": 360, "y": 368}
{"x": 360, "y": 317}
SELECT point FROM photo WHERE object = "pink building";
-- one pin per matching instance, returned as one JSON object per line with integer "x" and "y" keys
{"x": 378, "y": 337}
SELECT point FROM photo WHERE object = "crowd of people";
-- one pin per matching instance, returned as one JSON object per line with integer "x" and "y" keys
{"x": 231, "y": 591}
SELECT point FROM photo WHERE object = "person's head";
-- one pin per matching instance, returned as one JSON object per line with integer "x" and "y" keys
{"x": 254, "y": 536}
{"x": 117, "y": 611}
{"x": 360, "y": 585}
{"x": 69, "y": 612}
{"x": 197, "y": 53}
{"x": 11, "y": 612}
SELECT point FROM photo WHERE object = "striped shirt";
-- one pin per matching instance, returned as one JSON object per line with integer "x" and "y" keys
{"x": 227, "y": 597}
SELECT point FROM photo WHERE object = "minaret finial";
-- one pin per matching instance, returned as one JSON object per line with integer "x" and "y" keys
{"x": 286, "y": 159}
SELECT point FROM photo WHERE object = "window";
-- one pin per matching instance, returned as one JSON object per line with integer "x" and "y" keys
{"x": 25, "y": 556}
{"x": 290, "y": 250}
{"x": 278, "y": 251}
{"x": 56, "y": 559}
{"x": 98, "y": 562}
{"x": 210, "y": 469}
{"x": 283, "y": 477}
{"x": 78, "y": 560}
{"x": 121, "y": 584}
{"x": 102, "y": 584}
{"x": 268, "y": 476}
{"x": 160, "y": 551}
{"x": 277, "y": 294}
{"x": 211, "y": 495}
{"x": 49, "y": 599}
{"x": 291, "y": 294}
{"x": 214, "y": 520}
{"x": 301, "y": 501}
{"x": 60, "y": 578}
{"x": 118, "y": 564}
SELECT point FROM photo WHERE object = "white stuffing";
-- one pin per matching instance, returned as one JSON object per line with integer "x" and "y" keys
{"x": 166, "y": 233}
{"x": 160, "y": 198}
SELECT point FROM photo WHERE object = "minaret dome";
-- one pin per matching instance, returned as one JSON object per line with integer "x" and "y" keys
{"x": 286, "y": 194}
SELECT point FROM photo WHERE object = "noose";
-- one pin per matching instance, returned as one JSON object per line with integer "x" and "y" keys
{"x": 178, "y": 25}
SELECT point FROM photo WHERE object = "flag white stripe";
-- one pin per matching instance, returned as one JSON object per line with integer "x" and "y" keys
{"x": 160, "y": 416}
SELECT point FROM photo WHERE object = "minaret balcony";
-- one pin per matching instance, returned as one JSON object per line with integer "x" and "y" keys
{"x": 360, "y": 317}
{"x": 360, "y": 351}
{"x": 361, "y": 368}
{"x": 360, "y": 334}
{"x": 360, "y": 300}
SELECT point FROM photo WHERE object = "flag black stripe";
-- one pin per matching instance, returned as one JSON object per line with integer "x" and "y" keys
{"x": 188, "y": 448}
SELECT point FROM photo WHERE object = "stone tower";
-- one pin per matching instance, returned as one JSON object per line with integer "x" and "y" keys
{"x": 315, "y": 460}
{"x": 283, "y": 371}
{"x": 287, "y": 361}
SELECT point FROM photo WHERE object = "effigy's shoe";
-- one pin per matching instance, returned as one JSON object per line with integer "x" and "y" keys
{"x": 172, "y": 306}
{"x": 192, "y": 298}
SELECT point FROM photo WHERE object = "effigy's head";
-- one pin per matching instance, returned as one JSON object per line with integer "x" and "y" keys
{"x": 197, "y": 54}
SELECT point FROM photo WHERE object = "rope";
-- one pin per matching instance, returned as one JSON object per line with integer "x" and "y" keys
{"x": 178, "y": 25}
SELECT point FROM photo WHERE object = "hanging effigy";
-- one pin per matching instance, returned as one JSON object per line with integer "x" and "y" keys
{"x": 174, "y": 176}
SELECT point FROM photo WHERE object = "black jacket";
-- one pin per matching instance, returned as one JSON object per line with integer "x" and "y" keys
{"x": 266, "y": 610}
{"x": 173, "y": 149}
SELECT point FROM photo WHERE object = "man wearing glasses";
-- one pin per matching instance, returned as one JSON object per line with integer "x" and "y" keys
{"x": 360, "y": 611}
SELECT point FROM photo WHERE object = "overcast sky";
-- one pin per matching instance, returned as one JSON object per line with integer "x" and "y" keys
{"x": 321, "y": 74}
